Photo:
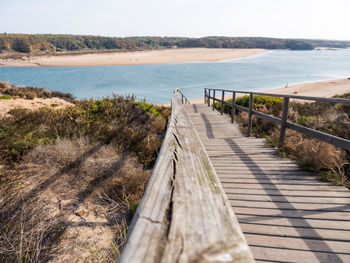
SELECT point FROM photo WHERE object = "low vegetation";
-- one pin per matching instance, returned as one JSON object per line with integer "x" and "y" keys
{"x": 332, "y": 163}
{"x": 71, "y": 178}
{"x": 55, "y": 44}
{"x": 10, "y": 91}
{"x": 5, "y": 97}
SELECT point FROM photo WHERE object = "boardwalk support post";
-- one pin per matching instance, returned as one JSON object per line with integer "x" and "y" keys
{"x": 214, "y": 99}
{"x": 209, "y": 97}
{"x": 233, "y": 107}
{"x": 284, "y": 121}
{"x": 222, "y": 102}
{"x": 250, "y": 113}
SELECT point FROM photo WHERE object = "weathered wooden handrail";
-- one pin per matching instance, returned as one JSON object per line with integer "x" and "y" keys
{"x": 183, "y": 97}
{"x": 184, "y": 215}
{"x": 283, "y": 122}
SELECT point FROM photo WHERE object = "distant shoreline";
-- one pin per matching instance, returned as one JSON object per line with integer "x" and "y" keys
{"x": 176, "y": 55}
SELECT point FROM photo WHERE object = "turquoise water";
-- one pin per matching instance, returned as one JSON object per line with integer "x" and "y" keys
{"x": 156, "y": 83}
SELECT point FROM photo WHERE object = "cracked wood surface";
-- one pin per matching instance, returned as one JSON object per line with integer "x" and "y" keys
{"x": 287, "y": 215}
{"x": 184, "y": 215}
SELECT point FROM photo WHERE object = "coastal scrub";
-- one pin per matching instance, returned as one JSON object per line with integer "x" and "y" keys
{"x": 71, "y": 178}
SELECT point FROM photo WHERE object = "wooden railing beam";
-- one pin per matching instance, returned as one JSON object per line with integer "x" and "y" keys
{"x": 184, "y": 215}
{"x": 331, "y": 139}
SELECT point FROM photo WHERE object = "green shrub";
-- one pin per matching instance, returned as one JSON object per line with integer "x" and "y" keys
{"x": 270, "y": 105}
{"x": 148, "y": 108}
{"x": 5, "y": 97}
{"x": 306, "y": 120}
{"x": 116, "y": 120}
{"x": 258, "y": 99}
{"x": 133, "y": 206}
{"x": 30, "y": 96}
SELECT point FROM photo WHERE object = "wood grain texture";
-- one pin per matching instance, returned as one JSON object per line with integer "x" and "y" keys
{"x": 184, "y": 215}
{"x": 286, "y": 214}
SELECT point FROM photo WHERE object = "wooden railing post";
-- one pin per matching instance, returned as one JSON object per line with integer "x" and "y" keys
{"x": 250, "y": 113}
{"x": 222, "y": 102}
{"x": 233, "y": 107}
{"x": 284, "y": 121}
{"x": 205, "y": 95}
{"x": 209, "y": 97}
{"x": 182, "y": 98}
{"x": 214, "y": 99}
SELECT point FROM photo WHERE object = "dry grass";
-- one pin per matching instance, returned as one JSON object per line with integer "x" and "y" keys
{"x": 68, "y": 198}
{"x": 312, "y": 154}
{"x": 71, "y": 179}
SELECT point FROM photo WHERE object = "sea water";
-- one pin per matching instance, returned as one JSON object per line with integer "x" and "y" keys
{"x": 156, "y": 83}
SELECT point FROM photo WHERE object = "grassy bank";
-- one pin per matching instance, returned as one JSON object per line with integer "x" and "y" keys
{"x": 331, "y": 163}
{"x": 71, "y": 178}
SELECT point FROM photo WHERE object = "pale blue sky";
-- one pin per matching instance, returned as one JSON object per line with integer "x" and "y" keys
{"x": 327, "y": 19}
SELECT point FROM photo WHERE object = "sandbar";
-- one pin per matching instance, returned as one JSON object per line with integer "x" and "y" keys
{"x": 163, "y": 56}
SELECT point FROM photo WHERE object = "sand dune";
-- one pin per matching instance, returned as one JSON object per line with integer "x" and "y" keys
{"x": 36, "y": 103}
{"x": 177, "y": 55}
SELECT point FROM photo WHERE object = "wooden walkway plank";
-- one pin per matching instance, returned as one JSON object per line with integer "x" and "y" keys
{"x": 287, "y": 187}
{"x": 289, "y": 199}
{"x": 287, "y": 206}
{"x": 261, "y": 221}
{"x": 286, "y": 214}
{"x": 275, "y": 255}
{"x": 294, "y": 244}
{"x": 290, "y": 231}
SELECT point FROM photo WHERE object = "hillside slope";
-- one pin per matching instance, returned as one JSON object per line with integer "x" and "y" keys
{"x": 71, "y": 178}
{"x": 43, "y": 44}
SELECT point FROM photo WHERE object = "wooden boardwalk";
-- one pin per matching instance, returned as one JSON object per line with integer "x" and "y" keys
{"x": 286, "y": 215}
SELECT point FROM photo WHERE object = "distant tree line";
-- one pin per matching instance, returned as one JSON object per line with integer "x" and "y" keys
{"x": 56, "y": 43}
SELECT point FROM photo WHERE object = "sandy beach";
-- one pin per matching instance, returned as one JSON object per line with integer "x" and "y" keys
{"x": 15, "y": 103}
{"x": 325, "y": 89}
{"x": 177, "y": 55}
